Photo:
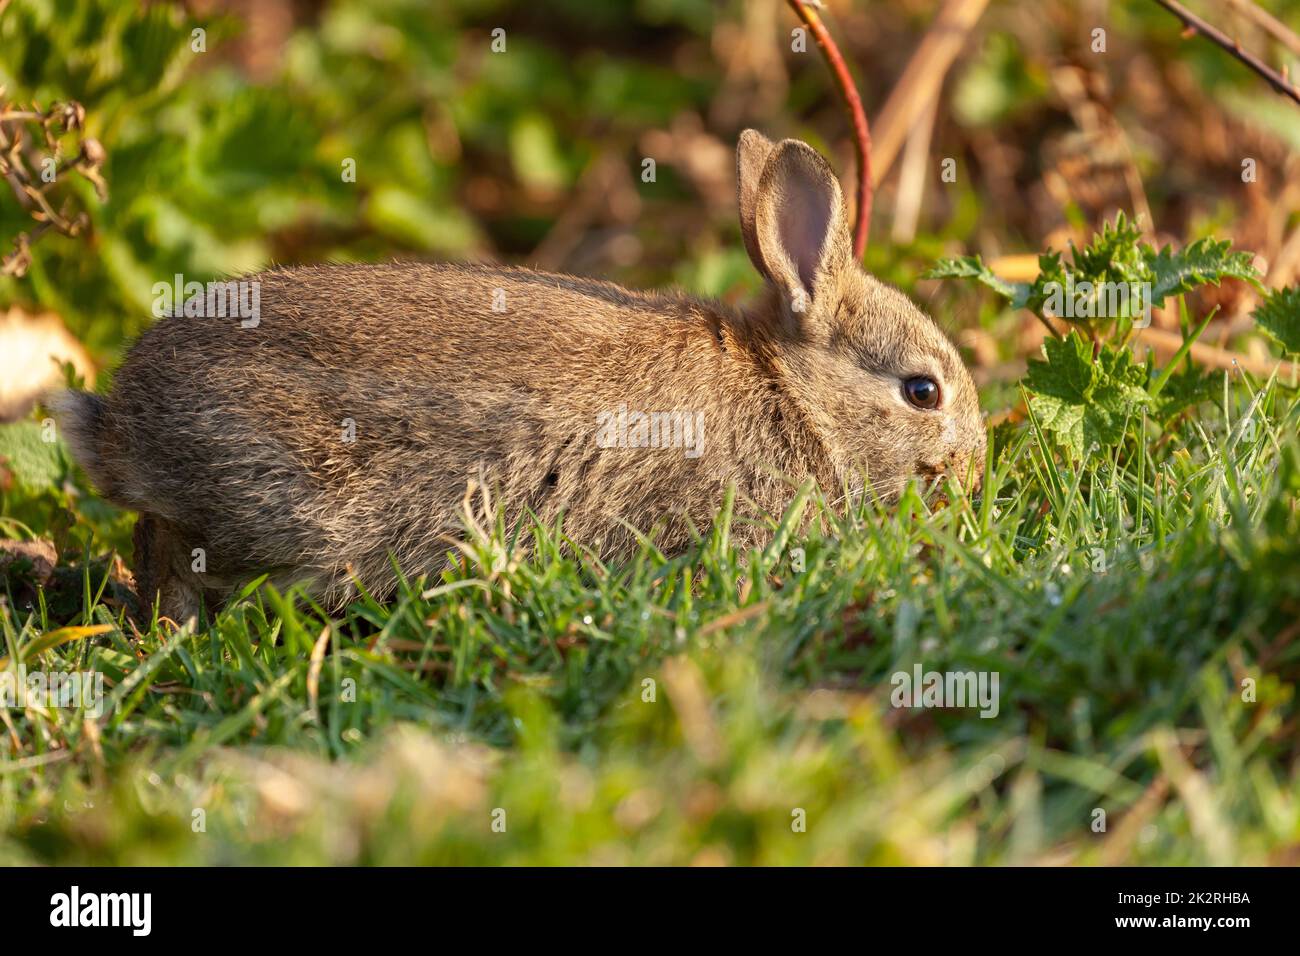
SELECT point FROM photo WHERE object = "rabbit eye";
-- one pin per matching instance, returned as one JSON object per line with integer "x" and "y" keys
{"x": 922, "y": 392}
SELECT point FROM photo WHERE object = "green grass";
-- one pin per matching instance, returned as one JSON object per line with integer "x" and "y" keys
{"x": 683, "y": 710}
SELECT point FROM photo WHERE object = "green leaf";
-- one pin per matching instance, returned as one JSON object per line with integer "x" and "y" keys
{"x": 1279, "y": 316}
{"x": 1206, "y": 261}
{"x": 256, "y": 141}
{"x": 535, "y": 154}
{"x": 152, "y": 42}
{"x": 1117, "y": 276}
{"x": 406, "y": 217}
{"x": 1084, "y": 401}
{"x": 972, "y": 267}
{"x": 36, "y": 464}
{"x": 63, "y": 635}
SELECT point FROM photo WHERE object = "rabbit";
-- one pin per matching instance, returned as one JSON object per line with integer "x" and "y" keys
{"x": 337, "y": 435}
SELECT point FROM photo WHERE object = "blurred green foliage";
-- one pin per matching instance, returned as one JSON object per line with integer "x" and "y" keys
{"x": 211, "y": 173}
{"x": 227, "y": 160}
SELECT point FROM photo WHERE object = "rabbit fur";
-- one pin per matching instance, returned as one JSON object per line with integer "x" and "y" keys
{"x": 337, "y": 435}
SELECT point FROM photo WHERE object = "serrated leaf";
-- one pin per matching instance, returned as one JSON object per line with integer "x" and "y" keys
{"x": 1206, "y": 261}
{"x": 1116, "y": 261}
{"x": 1081, "y": 400}
{"x": 972, "y": 267}
{"x": 1279, "y": 316}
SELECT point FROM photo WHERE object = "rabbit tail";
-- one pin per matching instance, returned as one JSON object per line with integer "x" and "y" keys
{"x": 83, "y": 421}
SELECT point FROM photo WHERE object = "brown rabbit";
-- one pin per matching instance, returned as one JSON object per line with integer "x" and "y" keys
{"x": 339, "y": 431}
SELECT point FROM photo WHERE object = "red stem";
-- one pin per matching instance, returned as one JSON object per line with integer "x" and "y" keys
{"x": 861, "y": 133}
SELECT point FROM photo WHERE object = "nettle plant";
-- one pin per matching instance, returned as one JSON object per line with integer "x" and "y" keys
{"x": 1088, "y": 384}
{"x": 1279, "y": 316}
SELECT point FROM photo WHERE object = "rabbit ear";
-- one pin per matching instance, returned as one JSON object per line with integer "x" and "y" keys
{"x": 752, "y": 152}
{"x": 800, "y": 222}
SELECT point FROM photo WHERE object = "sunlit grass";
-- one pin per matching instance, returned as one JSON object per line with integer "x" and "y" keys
{"x": 694, "y": 709}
